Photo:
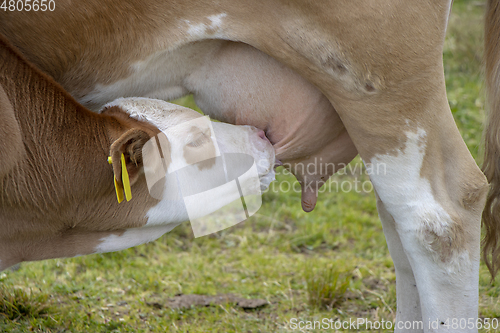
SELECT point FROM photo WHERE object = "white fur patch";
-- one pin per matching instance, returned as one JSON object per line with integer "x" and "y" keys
{"x": 407, "y": 196}
{"x": 132, "y": 237}
{"x": 157, "y": 112}
{"x": 199, "y": 31}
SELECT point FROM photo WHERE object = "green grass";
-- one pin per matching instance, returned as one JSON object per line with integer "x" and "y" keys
{"x": 464, "y": 71}
{"x": 326, "y": 287}
{"x": 281, "y": 254}
{"x": 17, "y": 303}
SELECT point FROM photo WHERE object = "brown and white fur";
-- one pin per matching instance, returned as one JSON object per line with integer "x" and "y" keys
{"x": 379, "y": 66}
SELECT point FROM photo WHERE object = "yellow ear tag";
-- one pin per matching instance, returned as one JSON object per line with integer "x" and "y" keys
{"x": 126, "y": 180}
{"x": 119, "y": 191}
{"x": 118, "y": 188}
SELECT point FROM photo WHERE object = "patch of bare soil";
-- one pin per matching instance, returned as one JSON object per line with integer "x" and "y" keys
{"x": 192, "y": 300}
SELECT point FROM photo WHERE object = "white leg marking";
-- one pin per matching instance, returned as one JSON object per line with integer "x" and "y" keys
{"x": 447, "y": 289}
{"x": 408, "y": 301}
{"x": 404, "y": 192}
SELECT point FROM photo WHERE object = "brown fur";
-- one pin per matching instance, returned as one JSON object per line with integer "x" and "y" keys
{"x": 57, "y": 198}
{"x": 12, "y": 149}
{"x": 491, "y": 164}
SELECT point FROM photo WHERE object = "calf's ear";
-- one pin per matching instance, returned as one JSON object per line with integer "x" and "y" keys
{"x": 11, "y": 141}
{"x": 129, "y": 144}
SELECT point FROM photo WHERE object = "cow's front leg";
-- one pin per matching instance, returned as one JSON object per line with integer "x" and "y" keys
{"x": 428, "y": 182}
{"x": 385, "y": 79}
{"x": 408, "y": 314}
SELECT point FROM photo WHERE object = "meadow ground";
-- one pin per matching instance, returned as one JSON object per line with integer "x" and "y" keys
{"x": 332, "y": 263}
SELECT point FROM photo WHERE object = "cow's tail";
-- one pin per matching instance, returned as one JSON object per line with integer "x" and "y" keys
{"x": 491, "y": 164}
